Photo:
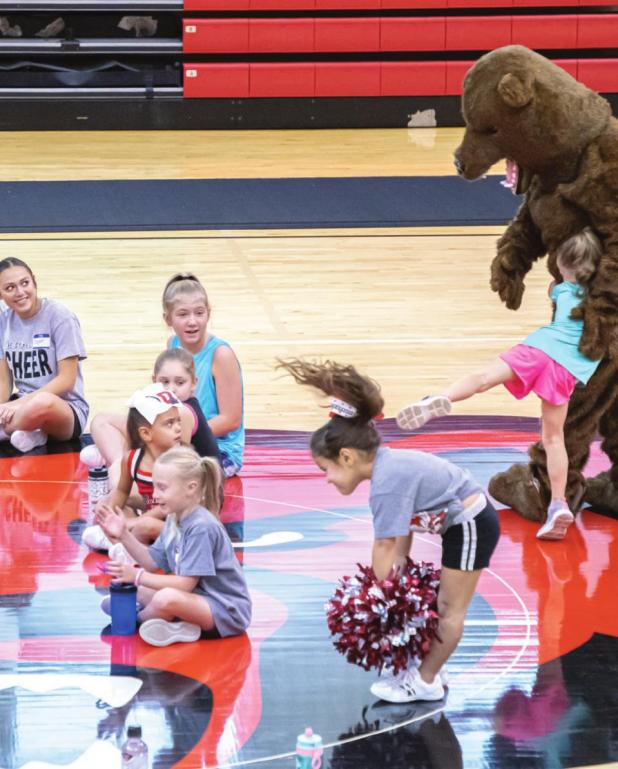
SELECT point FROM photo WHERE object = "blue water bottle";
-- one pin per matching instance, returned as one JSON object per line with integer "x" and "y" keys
{"x": 309, "y": 750}
{"x": 124, "y": 608}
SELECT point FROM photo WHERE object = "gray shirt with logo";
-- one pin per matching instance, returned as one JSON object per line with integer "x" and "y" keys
{"x": 415, "y": 491}
{"x": 34, "y": 346}
{"x": 198, "y": 546}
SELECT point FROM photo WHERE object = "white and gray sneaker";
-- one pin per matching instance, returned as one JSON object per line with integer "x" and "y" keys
{"x": 95, "y": 538}
{"x": 559, "y": 518}
{"x": 417, "y": 414}
{"x": 407, "y": 687}
{"x": 161, "y": 632}
{"x": 387, "y": 672}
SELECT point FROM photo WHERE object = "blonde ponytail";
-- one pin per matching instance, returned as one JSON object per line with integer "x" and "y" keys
{"x": 205, "y": 470}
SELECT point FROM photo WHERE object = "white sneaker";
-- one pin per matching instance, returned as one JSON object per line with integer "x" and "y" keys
{"x": 407, "y": 687}
{"x": 118, "y": 552}
{"x": 417, "y": 414}
{"x": 26, "y": 440}
{"x": 387, "y": 672}
{"x": 559, "y": 518}
{"x": 160, "y": 632}
{"x": 91, "y": 456}
{"x": 95, "y": 538}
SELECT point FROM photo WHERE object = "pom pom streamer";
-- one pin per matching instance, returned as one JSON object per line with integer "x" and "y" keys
{"x": 378, "y": 624}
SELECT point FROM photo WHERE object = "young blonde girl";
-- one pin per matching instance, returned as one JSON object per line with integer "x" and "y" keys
{"x": 186, "y": 310}
{"x": 203, "y": 588}
{"x": 548, "y": 363}
{"x": 41, "y": 349}
{"x": 410, "y": 491}
{"x": 216, "y": 375}
{"x": 154, "y": 425}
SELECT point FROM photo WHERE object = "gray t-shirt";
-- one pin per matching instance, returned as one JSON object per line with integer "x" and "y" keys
{"x": 414, "y": 491}
{"x": 33, "y": 346}
{"x": 198, "y": 546}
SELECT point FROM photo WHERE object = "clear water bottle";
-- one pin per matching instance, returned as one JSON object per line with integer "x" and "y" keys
{"x": 134, "y": 751}
{"x": 98, "y": 487}
{"x": 309, "y": 750}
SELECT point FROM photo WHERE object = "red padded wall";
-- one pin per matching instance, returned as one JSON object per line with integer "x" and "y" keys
{"x": 347, "y": 79}
{"x": 477, "y": 33}
{"x": 545, "y": 31}
{"x": 282, "y": 79}
{"x": 215, "y": 35}
{"x": 281, "y": 35}
{"x": 216, "y": 80}
{"x": 347, "y": 35}
{"x": 413, "y": 78}
{"x": 599, "y": 31}
{"x": 410, "y": 33}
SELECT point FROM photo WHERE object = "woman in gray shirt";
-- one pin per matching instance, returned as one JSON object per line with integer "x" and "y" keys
{"x": 41, "y": 349}
{"x": 410, "y": 491}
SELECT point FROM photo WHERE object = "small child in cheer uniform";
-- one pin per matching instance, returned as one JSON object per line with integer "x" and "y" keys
{"x": 153, "y": 425}
{"x": 41, "y": 350}
{"x": 548, "y": 363}
{"x": 410, "y": 491}
{"x": 203, "y": 588}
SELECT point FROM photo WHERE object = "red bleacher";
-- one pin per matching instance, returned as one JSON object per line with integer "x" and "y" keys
{"x": 218, "y": 36}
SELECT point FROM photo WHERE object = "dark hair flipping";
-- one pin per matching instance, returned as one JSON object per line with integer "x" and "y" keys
{"x": 134, "y": 422}
{"x": 345, "y": 383}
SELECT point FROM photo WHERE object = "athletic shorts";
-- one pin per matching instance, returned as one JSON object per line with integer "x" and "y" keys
{"x": 469, "y": 545}
{"x": 536, "y": 372}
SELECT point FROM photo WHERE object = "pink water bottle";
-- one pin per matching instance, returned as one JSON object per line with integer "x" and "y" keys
{"x": 309, "y": 750}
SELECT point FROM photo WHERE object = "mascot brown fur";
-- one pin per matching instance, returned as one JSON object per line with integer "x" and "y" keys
{"x": 519, "y": 106}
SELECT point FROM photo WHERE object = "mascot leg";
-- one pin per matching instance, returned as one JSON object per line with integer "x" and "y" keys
{"x": 602, "y": 491}
{"x": 525, "y": 488}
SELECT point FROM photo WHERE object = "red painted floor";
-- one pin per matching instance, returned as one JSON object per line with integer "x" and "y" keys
{"x": 533, "y": 683}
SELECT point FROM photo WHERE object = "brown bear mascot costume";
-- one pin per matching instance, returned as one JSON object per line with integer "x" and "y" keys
{"x": 562, "y": 136}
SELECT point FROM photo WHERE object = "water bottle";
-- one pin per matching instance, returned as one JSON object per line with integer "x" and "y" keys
{"x": 134, "y": 751}
{"x": 309, "y": 750}
{"x": 98, "y": 487}
{"x": 124, "y": 608}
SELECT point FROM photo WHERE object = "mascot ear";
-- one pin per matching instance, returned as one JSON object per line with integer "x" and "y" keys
{"x": 515, "y": 91}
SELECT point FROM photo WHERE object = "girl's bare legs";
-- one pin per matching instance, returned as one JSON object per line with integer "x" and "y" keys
{"x": 169, "y": 604}
{"x": 559, "y": 517}
{"x": 495, "y": 373}
{"x": 552, "y": 437}
{"x": 456, "y": 591}
{"x": 417, "y": 414}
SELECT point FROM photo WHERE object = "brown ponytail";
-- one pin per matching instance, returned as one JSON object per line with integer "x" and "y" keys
{"x": 345, "y": 383}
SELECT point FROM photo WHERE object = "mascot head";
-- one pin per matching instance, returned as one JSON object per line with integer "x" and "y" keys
{"x": 519, "y": 105}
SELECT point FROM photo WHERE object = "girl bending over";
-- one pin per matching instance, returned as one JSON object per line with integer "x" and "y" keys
{"x": 410, "y": 491}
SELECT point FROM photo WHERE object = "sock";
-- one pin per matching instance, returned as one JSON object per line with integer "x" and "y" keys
{"x": 26, "y": 440}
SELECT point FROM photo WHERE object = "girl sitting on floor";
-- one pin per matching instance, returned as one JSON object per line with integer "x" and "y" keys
{"x": 41, "y": 350}
{"x": 203, "y": 588}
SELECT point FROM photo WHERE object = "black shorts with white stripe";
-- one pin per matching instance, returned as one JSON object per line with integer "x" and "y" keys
{"x": 468, "y": 546}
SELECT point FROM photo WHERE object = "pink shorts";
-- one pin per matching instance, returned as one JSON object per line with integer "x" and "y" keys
{"x": 537, "y": 372}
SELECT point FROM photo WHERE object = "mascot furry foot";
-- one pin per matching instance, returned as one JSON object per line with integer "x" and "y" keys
{"x": 561, "y": 142}
{"x": 518, "y": 489}
{"x": 601, "y": 493}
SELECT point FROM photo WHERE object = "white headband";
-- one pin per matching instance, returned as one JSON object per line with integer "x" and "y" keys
{"x": 341, "y": 408}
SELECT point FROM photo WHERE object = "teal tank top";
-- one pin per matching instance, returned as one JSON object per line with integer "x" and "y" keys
{"x": 231, "y": 445}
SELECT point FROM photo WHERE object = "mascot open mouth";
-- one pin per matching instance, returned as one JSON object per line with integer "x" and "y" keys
{"x": 512, "y": 176}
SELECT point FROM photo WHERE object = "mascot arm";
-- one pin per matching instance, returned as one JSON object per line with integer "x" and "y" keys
{"x": 595, "y": 192}
{"x": 599, "y": 310}
{"x": 518, "y": 248}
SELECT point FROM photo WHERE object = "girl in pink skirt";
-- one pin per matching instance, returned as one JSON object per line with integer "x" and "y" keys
{"x": 548, "y": 363}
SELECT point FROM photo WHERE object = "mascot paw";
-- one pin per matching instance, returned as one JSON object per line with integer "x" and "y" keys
{"x": 518, "y": 489}
{"x": 602, "y": 494}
